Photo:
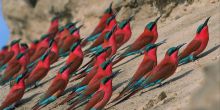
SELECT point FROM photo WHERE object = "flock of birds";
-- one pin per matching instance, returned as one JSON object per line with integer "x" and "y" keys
{"x": 24, "y": 66}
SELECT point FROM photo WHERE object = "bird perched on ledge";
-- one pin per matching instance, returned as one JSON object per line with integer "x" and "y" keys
{"x": 197, "y": 45}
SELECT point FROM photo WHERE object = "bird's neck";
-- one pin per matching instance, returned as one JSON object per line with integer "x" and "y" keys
{"x": 127, "y": 28}
{"x": 154, "y": 30}
{"x": 20, "y": 84}
{"x": 15, "y": 48}
{"x": 172, "y": 58}
{"x": 203, "y": 35}
{"x": 54, "y": 24}
{"x": 45, "y": 63}
{"x": 101, "y": 58}
{"x": 152, "y": 54}
{"x": 66, "y": 74}
{"x": 55, "y": 48}
{"x": 78, "y": 51}
{"x": 107, "y": 86}
{"x": 76, "y": 34}
{"x": 112, "y": 24}
{"x": 45, "y": 43}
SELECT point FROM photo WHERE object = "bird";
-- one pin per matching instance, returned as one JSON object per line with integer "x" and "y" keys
{"x": 33, "y": 47}
{"x": 15, "y": 94}
{"x": 148, "y": 63}
{"x": 161, "y": 72}
{"x": 3, "y": 52}
{"x": 109, "y": 41}
{"x": 76, "y": 55}
{"x": 54, "y": 54}
{"x": 74, "y": 37}
{"x": 42, "y": 47}
{"x": 100, "y": 27}
{"x": 56, "y": 88}
{"x": 105, "y": 69}
{"x": 102, "y": 96}
{"x": 12, "y": 53}
{"x": 14, "y": 66}
{"x": 39, "y": 71}
{"x": 62, "y": 34}
{"x": 101, "y": 57}
{"x": 110, "y": 23}
{"x": 123, "y": 32}
{"x": 53, "y": 29}
{"x": 149, "y": 35}
{"x": 197, "y": 45}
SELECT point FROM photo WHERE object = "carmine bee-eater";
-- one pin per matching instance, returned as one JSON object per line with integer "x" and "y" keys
{"x": 39, "y": 71}
{"x": 68, "y": 41}
{"x": 148, "y": 63}
{"x": 197, "y": 45}
{"x": 56, "y": 88}
{"x": 123, "y": 32}
{"x": 90, "y": 71}
{"x": 12, "y": 53}
{"x": 54, "y": 54}
{"x": 110, "y": 23}
{"x": 62, "y": 34}
{"x": 102, "y": 96}
{"x": 13, "y": 67}
{"x": 3, "y": 53}
{"x": 149, "y": 35}
{"x": 109, "y": 41}
{"x": 42, "y": 47}
{"x": 53, "y": 29}
{"x": 100, "y": 27}
{"x": 76, "y": 56}
{"x": 162, "y": 71}
{"x": 33, "y": 47}
{"x": 101, "y": 57}
{"x": 105, "y": 69}
{"x": 15, "y": 94}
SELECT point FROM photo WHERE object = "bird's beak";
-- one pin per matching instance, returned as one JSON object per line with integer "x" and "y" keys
{"x": 160, "y": 43}
{"x": 110, "y": 6}
{"x": 113, "y": 75}
{"x": 76, "y": 22}
{"x": 179, "y": 46}
{"x": 157, "y": 19}
{"x": 51, "y": 42}
{"x": 130, "y": 18}
{"x": 80, "y": 27}
{"x": 206, "y": 21}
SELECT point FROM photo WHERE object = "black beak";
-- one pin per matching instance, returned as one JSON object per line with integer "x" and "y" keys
{"x": 130, "y": 18}
{"x": 160, "y": 43}
{"x": 157, "y": 19}
{"x": 179, "y": 46}
{"x": 206, "y": 21}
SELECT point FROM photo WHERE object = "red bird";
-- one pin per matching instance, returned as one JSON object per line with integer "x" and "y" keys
{"x": 197, "y": 45}
{"x": 62, "y": 34}
{"x": 68, "y": 41}
{"x": 123, "y": 32}
{"x": 14, "y": 66}
{"x": 42, "y": 47}
{"x": 149, "y": 35}
{"x": 110, "y": 23}
{"x": 100, "y": 27}
{"x": 101, "y": 57}
{"x": 54, "y": 54}
{"x": 102, "y": 96}
{"x": 15, "y": 94}
{"x": 148, "y": 63}
{"x": 40, "y": 70}
{"x": 76, "y": 56}
{"x": 56, "y": 88}
{"x": 3, "y": 53}
{"x": 105, "y": 69}
{"x": 109, "y": 41}
{"x": 53, "y": 29}
{"x": 12, "y": 53}
{"x": 33, "y": 47}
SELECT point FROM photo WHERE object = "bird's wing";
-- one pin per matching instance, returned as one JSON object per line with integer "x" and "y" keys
{"x": 191, "y": 47}
{"x": 12, "y": 97}
{"x": 57, "y": 84}
{"x": 97, "y": 97}
{"x": 162, "y": 72}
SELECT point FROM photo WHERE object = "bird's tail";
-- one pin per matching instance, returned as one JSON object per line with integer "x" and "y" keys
{"x": 76, "y": 102}
{"x": 44, "y": 102}
{"x": 79, "y": 76}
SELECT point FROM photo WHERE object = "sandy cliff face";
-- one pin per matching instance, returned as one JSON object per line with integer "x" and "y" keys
{"x": 30, "y": 18}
